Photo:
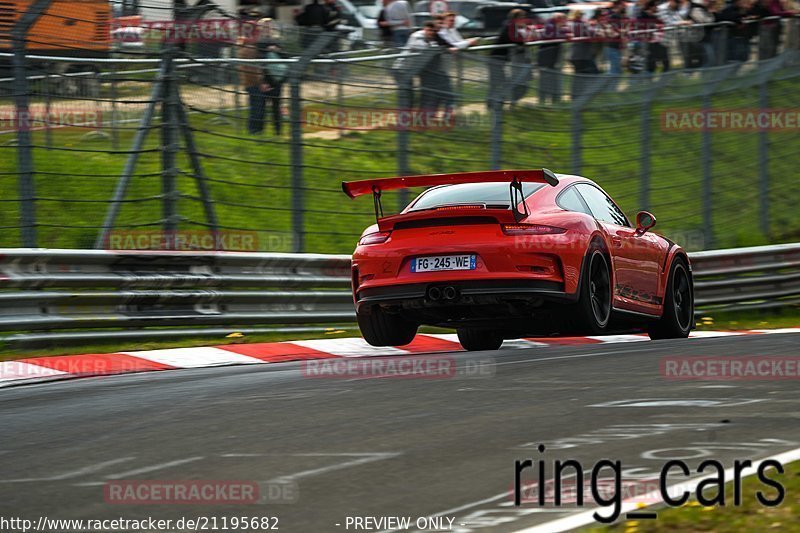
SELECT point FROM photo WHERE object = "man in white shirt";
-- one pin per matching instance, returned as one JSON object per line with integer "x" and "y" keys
{"x": 450, "y": 34}
{"x": 398, "y": 15}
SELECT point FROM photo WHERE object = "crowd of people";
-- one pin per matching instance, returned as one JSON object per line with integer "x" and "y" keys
{"x": 640, "y": 38}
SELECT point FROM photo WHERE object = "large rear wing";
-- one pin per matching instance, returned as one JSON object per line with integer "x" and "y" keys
{"x": 515, "y": 178}
{"x": 354, "y": 189}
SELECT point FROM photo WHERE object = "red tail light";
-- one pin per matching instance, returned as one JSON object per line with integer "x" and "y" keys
{"x": 531, "y": 229}
{"x": 375, "y": 238}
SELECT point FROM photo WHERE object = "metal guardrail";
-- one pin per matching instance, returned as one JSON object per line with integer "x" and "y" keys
{"x": 69, "y": 295}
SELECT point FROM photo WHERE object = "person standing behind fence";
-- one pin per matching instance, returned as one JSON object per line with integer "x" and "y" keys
{"x": 614, "y": 43}
{"x": 333, "y": 18}
{"x": 312, "y": 20}
{"x": 739, "y": 34}
{"x": 251, "y": 77}
{"x": 274, "y": 74}
{"x": 656, "y": 51}
{"x": 385, "y": 27}
{"x": 547, "y": 57}
{"x": 449, "y": 33}
{"x": 769, "y": 31}
{"x": 673, "y": 14}
{"x": 582, "y": 53}
{"x": 432, "y": 78}
{"x": 701, "y": 47}
{"x": 398, "y": 13}
{"x": 498, "y": 81}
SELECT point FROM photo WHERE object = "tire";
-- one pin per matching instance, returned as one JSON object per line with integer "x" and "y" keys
{"x": 474, "y": 339}
{"x": 678, "y": 315}
{"x": 382, "y": 329}
{"x": 593, "y": 310}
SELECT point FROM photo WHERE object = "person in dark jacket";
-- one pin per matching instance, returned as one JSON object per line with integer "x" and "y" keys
{"x": 312, "y": 20}
{"x": 547, "y": 58}
{"x": 656, "y": 51}
{"x": 385, "y": 26}
{"x": 510, "y": 33}
{"x": 740, "y": 33}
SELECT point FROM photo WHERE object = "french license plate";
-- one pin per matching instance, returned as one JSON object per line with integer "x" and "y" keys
{"x": 443, "y": 262}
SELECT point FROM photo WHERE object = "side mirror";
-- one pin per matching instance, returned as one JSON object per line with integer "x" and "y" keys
{"x": 644, "y": 221}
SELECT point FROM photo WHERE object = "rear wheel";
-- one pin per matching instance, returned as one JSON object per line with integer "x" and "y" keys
{"x": 382, "y": 329}
{"x": 676, "y": 320}
{"x": 475, "y": 339}
{"x": 593, "y": 309}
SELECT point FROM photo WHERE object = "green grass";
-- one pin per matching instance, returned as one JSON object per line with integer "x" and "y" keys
{"x": 251, "y": 179}
{"x": 750, "y": 516}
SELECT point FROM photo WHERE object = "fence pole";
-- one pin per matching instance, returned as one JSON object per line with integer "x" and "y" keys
{"x": 48, "y": 107}
{"x": 296, "y": 135}
{"x": 169, "y": 147}
{"x": 27, "y": 192}
{"x": 707, "y": 189}
{"x": 496, "y": 156}
{"x": 114, "y": 95}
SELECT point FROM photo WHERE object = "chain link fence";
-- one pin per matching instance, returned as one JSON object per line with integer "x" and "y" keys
{"x": 137, "y": 151}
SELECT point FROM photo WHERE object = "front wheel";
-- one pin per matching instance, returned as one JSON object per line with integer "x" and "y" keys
{"x": 383, "y": 329}
{"x": 474, "y": 339}
{"x": 676, "y": 319}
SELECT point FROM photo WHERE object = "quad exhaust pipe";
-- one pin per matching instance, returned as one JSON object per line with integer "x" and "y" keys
{"x": 447, "y": 293}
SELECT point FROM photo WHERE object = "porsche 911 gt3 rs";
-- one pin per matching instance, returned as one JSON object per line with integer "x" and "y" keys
{"x": 506, "y": 254}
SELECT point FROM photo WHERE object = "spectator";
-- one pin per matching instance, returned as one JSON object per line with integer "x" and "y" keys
{"x": 251, "y": 78}
{"x": 769, "y": 31}
{"x": 656, "y": 51}
{"x": 333, "y": 17}
{"x": 434, "y": 83}
{"x": 450, "y": 34}
{"x": 673, "y": 13}
{"x": 702, "y": 51}
{"x": 739, "y": 34}
{"x": 311, "y": 20}
{"x": 614, "y": 43}
{"x": 384, "y": 26}
{"x": 274, "y": 73}
{"x": 547, "y": 58}
{"x": 498, "y": 57}
{"x": 398, "y": 14}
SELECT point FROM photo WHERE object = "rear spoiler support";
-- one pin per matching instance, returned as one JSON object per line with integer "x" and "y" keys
{"x": 376, "y": 200}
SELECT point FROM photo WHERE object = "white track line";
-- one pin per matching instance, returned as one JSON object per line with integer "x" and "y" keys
{"x": 585, "y": 518}
{"x": 194, "y": 357}
{"x": 352, "y": 347}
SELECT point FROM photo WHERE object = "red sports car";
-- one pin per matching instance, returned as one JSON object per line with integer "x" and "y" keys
{"x": 513, "y": 253}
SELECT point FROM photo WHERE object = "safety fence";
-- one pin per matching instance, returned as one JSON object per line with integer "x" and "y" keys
{"x": 94, "y": 295}
{"x": 134, "y": 146}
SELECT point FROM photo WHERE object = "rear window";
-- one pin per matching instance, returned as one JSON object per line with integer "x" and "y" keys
{"x": 494, "y": 195}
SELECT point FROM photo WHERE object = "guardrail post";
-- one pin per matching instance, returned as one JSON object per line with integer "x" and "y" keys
{"x": 27, "y": 192}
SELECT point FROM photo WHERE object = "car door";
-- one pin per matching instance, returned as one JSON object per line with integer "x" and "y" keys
{"x": 636, "y": 258}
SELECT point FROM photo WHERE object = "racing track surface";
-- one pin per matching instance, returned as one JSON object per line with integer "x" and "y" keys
{"x": 378, "y": 447}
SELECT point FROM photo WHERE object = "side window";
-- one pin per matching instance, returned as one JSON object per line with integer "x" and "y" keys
{"x": 571, "y": 201}
{"x": 603, "y": 208}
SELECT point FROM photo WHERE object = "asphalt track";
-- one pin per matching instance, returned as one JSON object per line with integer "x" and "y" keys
{"x": 385, "y": 447}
